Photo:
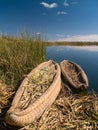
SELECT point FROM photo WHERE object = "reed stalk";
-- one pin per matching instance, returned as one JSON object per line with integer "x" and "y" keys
{"x": 18, "y": 56}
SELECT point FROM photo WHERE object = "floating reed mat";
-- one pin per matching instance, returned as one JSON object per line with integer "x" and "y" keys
{"x": 72, "y": 112}
{"x": 36, "y": 93}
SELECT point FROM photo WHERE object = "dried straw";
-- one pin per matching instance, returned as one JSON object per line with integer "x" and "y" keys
{"x": 5, "y": 94}
{"x": 69, "y": 112}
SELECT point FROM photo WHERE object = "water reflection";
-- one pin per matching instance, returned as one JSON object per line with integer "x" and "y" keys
{"x": 85, "y": 56}
{"x": 84, "y": 48}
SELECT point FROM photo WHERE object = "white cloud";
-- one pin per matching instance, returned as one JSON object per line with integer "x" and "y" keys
{"x": 38, "y": 33}
{"x": 61, "y": 12}
{"x": 66, "y": 3}
{"x": 87, "y": 38}
{"x": 46, "y": 5}
{"x": 60, "y": 35}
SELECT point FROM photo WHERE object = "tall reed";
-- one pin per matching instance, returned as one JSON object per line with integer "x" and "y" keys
{"x": 18, "y": 56}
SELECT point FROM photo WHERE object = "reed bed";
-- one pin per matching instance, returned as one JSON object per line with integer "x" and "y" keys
{"x": 18, "y": 56}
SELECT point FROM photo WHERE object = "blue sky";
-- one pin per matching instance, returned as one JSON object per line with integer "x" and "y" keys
{"x": 56, "y": 20}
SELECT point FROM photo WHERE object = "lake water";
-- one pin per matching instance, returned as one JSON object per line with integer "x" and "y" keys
{"x": 85, "y": 56}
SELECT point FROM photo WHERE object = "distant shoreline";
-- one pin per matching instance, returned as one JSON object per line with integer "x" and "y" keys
{"x": 71, "y": 43}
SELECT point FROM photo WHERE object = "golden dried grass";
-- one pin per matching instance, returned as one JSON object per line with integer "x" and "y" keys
{"x": 69, "y": 112}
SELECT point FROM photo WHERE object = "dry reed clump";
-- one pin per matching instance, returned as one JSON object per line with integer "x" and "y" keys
{"x": 69, "y": 112}
{"x": 5, "y": 94}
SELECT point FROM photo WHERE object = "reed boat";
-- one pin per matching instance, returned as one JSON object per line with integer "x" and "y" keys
{"x": 74, "y": 75}
{"x": 37, "y": 92}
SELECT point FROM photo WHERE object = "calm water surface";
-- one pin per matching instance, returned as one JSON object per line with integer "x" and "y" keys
{"x": 85, "y": 56}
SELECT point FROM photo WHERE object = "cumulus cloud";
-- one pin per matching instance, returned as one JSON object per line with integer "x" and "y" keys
{"x": 83, "y": 38}
{"x": 46, "y": 5}
{"x": 66, "y": 3}
{"x": 61, "y": 12}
